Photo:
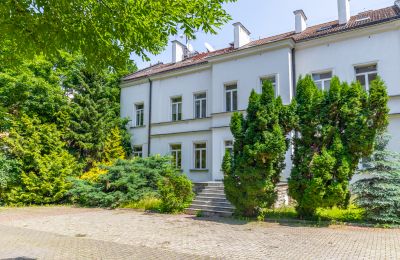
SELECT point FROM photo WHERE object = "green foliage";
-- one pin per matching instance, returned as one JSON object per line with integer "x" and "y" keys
{"x": 351, "y": 214}
{"x": 9, "y": 172}
{"x": 335, "y": 129}
{"x": 129, "y": 181}
{"x": 147, "y": 203}
{"x": 59, "y": 119}
{"x": 260, "y": 145}
{"x": 43, "y": 161}
{"x": 176, "y": 192}
{"x": 105, "y": 32}
{"x": 379, "y": 191}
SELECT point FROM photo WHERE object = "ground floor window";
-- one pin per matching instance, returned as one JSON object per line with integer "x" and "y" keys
{"x": 138, "y": 151}
{"x": 176, "y": 153}
{"x": 229, "y": 146}
{"x": 200, "y": 156}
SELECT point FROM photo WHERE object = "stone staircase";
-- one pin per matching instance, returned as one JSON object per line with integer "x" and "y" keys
{"x": 211, "y": 201}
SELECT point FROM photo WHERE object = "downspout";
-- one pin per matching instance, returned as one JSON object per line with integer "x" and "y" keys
{"x": 294, "y": 81}
{"x": 149, "y": 128}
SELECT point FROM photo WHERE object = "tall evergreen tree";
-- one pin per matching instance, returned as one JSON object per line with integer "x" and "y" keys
{"x": 379, "y": 191}
{"x": 335, "y": 129}
{"x": 253, "y": 171}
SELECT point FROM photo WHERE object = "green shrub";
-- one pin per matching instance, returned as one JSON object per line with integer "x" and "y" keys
{"x": 253, "y": 171}
{"x": 379, "y": 191}
{"x": 176, "y": 192}
{"x": 351, "y": 214}
{"x": 336, "y": 128}
{"x": 278, "y": 213}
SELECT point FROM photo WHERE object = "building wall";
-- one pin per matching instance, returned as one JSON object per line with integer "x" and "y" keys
{"x": 340, "y": 56}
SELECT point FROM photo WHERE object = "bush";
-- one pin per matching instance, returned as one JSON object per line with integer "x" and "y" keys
{"x": 254, "y": 169}
{"x": 336, "y": 128}
{"x": 176, "y": 192}
{"x": 379, "y": 191}
{"x": 351, "y": 214}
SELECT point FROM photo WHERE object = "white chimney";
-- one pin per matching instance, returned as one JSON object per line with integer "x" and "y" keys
{"x": 301, "y": 19}
{"x": 241, "y": 35}
{"x": 344, "y": 11}
{"x": 178, "y": 51}
{"x": 397, "y": 3}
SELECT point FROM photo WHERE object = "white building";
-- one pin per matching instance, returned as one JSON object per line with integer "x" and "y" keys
{"x": 184, "y": 107}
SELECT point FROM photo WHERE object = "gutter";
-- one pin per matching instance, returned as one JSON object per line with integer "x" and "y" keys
{"x": 293, "y": 72}
{"x": 150, "y": 106}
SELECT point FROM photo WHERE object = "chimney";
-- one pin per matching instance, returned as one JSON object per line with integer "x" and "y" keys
{"x": 178, "y": 51}
{"x": 397, "y": 3}
{"x": 241, "y": 35}
{"x": 301, "y": 19}
{"x": 344, "y": 11}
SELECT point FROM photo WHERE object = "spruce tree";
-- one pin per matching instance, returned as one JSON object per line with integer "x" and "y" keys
{"x": 379, "y": 190}
{"x": 253, "y": 171}
{"x": 335, "y": 129}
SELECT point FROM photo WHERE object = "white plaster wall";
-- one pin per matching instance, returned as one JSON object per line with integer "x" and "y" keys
{"x": 394, "y": 131}
{"x": 161, "y": 145}
{"x": 185, "y": 86}
{"x": 246, "y": 72}
{"x": 129, "y": 97}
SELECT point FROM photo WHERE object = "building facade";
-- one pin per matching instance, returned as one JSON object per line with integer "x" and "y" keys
{"x": 183, "y": 108}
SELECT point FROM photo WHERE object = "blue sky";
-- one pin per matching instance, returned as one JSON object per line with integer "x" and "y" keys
{"x": 265, "y": 18}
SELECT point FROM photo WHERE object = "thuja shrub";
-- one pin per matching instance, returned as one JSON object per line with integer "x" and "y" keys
{"x": 335, "y": 129}
{"x": 254, "y": 168}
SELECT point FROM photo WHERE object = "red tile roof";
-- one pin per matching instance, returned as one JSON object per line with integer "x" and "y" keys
{"x": 358, "y": 21}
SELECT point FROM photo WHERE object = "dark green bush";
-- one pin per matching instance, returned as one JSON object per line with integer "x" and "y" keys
{"x": 176, "y": 192}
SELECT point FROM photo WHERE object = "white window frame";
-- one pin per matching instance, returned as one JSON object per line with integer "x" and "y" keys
{"x": 231, "y": 91}
{"x": 176, "y": 151}
{"x": 226, "y": 147}
{"x": 274, "y": 84}
{"x": 201, "y": 155}
{"x": 138, "y": 153}
{"x": 195, "y": 100}
{"x": 322, "y": 81}
{"x": 178, "y": 104}
{"x": 139, "y": 122}
{"x": 365, "y": 74}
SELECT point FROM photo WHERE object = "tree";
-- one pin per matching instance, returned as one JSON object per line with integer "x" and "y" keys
{"x": 259, "y": 152}
{"x": 45, "y": 165}
{"x": 105, "y": 32}
{"x": 379, "y": 191}
{"x": 335, "y": 129}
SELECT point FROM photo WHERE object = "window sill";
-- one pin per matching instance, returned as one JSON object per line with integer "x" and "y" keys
{"x": 198, "y": 170}
{"x": 141, "y": 126}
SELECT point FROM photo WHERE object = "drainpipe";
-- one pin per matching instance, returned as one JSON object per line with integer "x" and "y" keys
{"x": 294, "y": 81}
{"x": 149, "y": 127}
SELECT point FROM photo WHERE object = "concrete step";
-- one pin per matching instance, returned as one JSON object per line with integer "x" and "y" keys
{"x": 208, "y": 190}
{"x": 193, "y": 211}
{"x": 215, "y": 199}
{"x": 212, "y": 194}
{"x": 211, "y": 208}
{"x": 212, "y": 203}
{"x": 215, "y": 184}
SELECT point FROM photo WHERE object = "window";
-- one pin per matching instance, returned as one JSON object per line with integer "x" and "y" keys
{"x": 323, "y": 80}
{"x": 231, "y": 98}
{"x": 200, "y": 156}
{"x": 200, "y": 105}
{"x": 138, "y": 151}
{"x": 366, "y": 74}
{"x": 176, "y": 153}
{"x": 273, "y": 80}
{"x": 229, "y": 146}
{"x": 139, "y": 110}
{"x": 176, "y": 108}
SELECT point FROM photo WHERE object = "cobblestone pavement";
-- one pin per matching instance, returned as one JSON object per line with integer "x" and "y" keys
{"x": 72, "y": 233}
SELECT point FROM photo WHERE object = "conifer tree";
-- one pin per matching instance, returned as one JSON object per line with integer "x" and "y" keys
{"x": 379, "y": 190}
{"x": 335, "y": 129}
{"x": 253, "y": 171}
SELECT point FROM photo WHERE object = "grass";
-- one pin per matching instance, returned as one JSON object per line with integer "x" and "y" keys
{"x": 149, "y": 203}
{"x": 352, "y": 214}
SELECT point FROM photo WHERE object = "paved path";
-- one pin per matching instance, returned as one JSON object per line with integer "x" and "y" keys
{"x": 71, "y": 233}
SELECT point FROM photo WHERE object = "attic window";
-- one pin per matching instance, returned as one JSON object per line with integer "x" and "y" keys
{"x": 362, "y": 19}
{"x": 324, "y": 28}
